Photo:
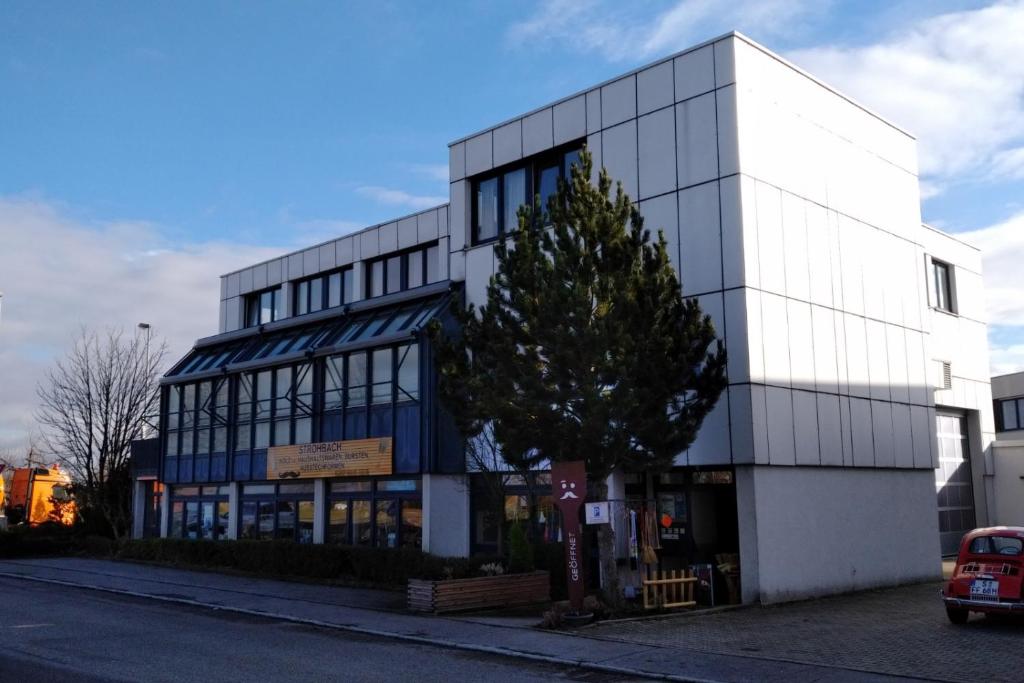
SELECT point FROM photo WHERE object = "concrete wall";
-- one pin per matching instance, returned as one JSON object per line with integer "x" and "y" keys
{"x": 1008, "y": 483}
{"x": 404, "y": 233}
{"x": 810, "y": 531}
{"x": 446, "y": 515}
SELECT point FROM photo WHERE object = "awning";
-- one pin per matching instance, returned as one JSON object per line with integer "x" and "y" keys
{"x": 335, "y": 334}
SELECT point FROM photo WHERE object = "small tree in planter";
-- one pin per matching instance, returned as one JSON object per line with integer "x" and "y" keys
{"x": 586, "y": 348}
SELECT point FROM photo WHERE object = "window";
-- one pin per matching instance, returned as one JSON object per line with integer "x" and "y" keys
{"x": 389, "y": 514}
{"x": 323, "y": 291}
{"x": 263, "y": 307}
{"x": 200, "y": 512}
{"x": 996, "y": 545}
{"x": 1010, "y": 414}
{"x": 282, "y": 511}
{"x": 942, "y": 288}
{"x": 498, "y": 196}
{"x": 403, "y": 271}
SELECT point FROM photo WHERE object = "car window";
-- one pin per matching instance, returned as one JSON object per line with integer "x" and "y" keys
{"x": 996, "y": 545}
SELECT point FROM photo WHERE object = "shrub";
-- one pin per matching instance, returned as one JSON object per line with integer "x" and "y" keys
{"x": 520, "y": 552}
{"x": 387, "y": 566}
{"x": 50, "y": 540}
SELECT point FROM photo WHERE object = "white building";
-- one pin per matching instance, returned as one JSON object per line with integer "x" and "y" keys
{"x": 855, "y": 336}
{"x": 1008, "y": 449}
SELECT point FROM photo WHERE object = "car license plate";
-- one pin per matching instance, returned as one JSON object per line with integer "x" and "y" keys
{"x": 984, "y": 589}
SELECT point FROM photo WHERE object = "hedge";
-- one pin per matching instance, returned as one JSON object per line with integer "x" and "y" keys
{"x": 388, "y": 566}
{"x": 48, "y": 540}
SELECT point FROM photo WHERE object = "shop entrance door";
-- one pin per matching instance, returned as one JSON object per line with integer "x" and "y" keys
{"x": 953, "y": 482}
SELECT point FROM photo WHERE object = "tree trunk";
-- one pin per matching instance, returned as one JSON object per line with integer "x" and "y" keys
{"x": 610, "y": 591}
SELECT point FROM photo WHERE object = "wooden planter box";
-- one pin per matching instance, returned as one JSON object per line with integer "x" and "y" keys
{"x": 453, "y": 595}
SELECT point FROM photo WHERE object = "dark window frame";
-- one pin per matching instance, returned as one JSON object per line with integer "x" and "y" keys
{"x": 1018, "y": 410}
{"x": 403, "y": 265}
{"x": 254, "y": 308}
{"x": 302, "y": 308}
{"x": 942, "y": 291}
{"x": 532, "y": 165}
{"x": 373, "y": 496}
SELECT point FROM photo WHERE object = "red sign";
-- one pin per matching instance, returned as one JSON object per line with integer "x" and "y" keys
{"x": 568, "y": 491}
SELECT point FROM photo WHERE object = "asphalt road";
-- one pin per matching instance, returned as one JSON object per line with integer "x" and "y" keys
{"x": 53, "y": 633}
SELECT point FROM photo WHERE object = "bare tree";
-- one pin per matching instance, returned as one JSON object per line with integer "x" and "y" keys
{"x": 93, "y": 403}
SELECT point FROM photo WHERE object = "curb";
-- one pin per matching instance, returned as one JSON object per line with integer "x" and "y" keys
{"x": 424, "y": 640}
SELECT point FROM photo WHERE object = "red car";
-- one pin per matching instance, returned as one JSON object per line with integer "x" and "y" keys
{"x": 988, "y": 574}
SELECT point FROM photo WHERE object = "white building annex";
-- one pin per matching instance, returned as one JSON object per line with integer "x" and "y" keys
{"x": 853, "y": 444}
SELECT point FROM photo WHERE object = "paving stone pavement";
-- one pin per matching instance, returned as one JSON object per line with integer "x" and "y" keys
{"x": 900, "y": 631}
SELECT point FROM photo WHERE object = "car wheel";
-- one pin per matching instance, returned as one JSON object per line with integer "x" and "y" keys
{"x": 957, "y": 615}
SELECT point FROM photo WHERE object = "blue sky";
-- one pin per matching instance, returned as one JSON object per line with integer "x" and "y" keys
{"x": 175, "y": 141}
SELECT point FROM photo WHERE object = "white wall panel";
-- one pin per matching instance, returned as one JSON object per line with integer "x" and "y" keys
{"x": 781, "y": 447}
{"x": 657, "y": 162}
{"x": 478, "y": 154}
{"x": 725, "y": 61}
{"x": 479, "y": 269}
{"x": 736, "y": 326}
{"x": 538, "y": 132}
{"x": 728, "y": 132}
{"x": 661, "y": 213}
{"x": 759, "y": 410}
{"x": 826, "y": 370}
{"x": 697, "y": 140}
{"x": 695, "y": 73}
{"x": 733, "y": 209}
{"x": 310, "y": 261}
{"x": 328, "y": 258}
{"x": 711, "y": 447}
{"x": 874, "y": 265}
{"x": 805, "y": 427}
{"x": 835, "y": 258}
{"x": 458, "y": 215}
{"x": 427, "y": 227}
{"x": 344, "y": 250}
{"x": 457, "y": 162}
{"x": 846, "y": 426}
{"x": 233, "y": 286}
{"x": 369, "y": 244}
{"x": 885, "y": 447}
{"x": 295, "y": 262}
{"x": 842, "y": 362}
{"x": 772, "y": 260}
{"x": 700, "y": 243}
{"x": 852, "y": 245}
{"x": 233, "y": 314}
{"x": 863, "y": 446}
{"x": 388, "y": 237}
{"x": 741, "y": 423}
{"x": 595, "y": 147}
{"x": 259, "y": 274}
{"x": 593, "y": 111}
{"x": 245, "y": 280}
{"x": 794, "y": 239}
{"x": 755, "y": 334}
{"x": 570, "y": 120}
{"x": 618, "y": 149}
{"x": 902, "y": 435}
{"x": 654, "y": 88}
{"x": 819, "y": 259}
{"x": 408, "y": 229}
{"x": 896, "y": 346}
{"x": 801, "y": 344}
{"x": 775, "y": 339}
{"x": 829, "y": 430}
{"x": 922, "y": 433}
{"x": 878, "y": 360}
{"x": 618, "y": 101}
{"x": 508, "y": 143}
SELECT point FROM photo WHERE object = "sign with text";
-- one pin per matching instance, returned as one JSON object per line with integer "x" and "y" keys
{"x": 568, "y": 489}
{"x": 597, "y": 512}
{"x": 355, "y": 458}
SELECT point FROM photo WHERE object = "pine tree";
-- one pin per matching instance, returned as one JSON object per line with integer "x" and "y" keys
{"x": 586, "y": 348}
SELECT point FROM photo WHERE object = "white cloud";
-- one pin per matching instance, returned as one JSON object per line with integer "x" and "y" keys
{"x": 1002, "y": 254}
{"x": 639, "y": 30}
{"x": 956, "y": 81}
{"x": 58, "y": 273}
{"x": 437, "y": 172}
{"x": 1004, "y": 360}
{"x": 386, "y": 195}
{"x": 1009, "y": 163}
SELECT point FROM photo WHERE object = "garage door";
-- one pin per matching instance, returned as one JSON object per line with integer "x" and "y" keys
{"x": 953, "y": 483}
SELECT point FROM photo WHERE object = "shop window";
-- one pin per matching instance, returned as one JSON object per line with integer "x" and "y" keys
{"x": 337, "y": 523}
{"x": 387, "y": 527}
{"x": 412, "y": 523}
{"x": 362, "y": 525}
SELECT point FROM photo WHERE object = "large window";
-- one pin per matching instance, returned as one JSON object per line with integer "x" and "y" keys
{"x": 942, "y": 286}
{"x": 498, "y": 195}
{"x": 263, "y": 307}
{"x": 199, "y": 512}
{"x": 196, "y": 428}
{"x": 1010, "y": 414}
{"x": 399, "y": 272}
{"x": 323, "y": 291}
{"x": 281, "y": 511}
{"x": 274, "y": 408}
{"x": 387, "y": 514}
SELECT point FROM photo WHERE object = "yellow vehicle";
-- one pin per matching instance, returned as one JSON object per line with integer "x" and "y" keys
{"x": 37, "y": 494}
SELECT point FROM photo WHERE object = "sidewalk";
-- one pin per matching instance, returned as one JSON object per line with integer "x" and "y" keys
{"x": 379, "y": 613}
